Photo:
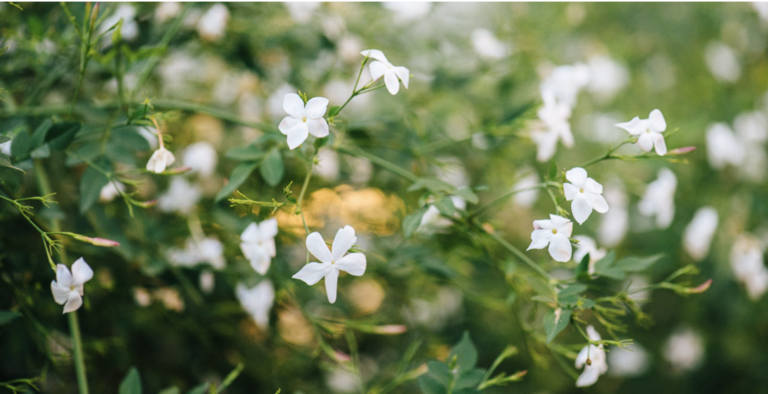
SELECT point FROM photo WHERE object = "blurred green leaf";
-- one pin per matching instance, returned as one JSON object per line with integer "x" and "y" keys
{"x": 272, "y": 168}
{"x": 469, "y": 379}
{"x": 21, "y": 145}
{"x": 637, "y": 264}
{"x": 4, "y": 139}
{"x": 552, "y": 327}
{"x": 5, "y": 161}
{"x": 170, "y": 390}
{"x": 60, "y": 135}
{"x": 445, "y": 206}
{"x": 334, "y": 111}
{"x": 128, "y": 138}
{"x": 467, "y": 194}
{"x": 91, "y": 184}
{"x": 238, "y": 176}
{"x": 248, "y": 153}
{"x": 465, "y": 352}
{"x": 573, "y": 289}
{"x": 199, "y": 389}
{"x": 38, "y": 136}
{"x": 411, "y": 222}
{"x": 8, "y": 316}
{"x": 132, "y": 383}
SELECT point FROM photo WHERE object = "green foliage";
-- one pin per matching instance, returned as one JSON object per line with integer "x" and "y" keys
{"x": 272, "y": 168}
{"x": 131, "y": 384}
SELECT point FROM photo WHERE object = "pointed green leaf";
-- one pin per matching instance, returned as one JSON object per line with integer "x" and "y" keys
{"x": 60, "y": 135}
{"x": 411, "y": 222}
{"x": 272, "y": 167}
{"x": 469, "y": 379}
{"x": 467, "y": 194}
{"x": 637, "y": 264}
{"x": 91, "y": 183}
{"x": 21, "y": 145}
{"x": 552, "y": 327}
{"x": 8, "y": 316}
{"x": 238, "y": 176}
{"x": 429, "y": 385}
{"x": 465, "y": 352}
{"x": 132, "y": 383}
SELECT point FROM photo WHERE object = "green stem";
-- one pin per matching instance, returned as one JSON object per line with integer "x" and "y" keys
{"x": 85, "y": 47}
{"x": 299, "y": 209}
{"x": 379, "y": 161}
{"x": 503, "y": 197}
{"x": 607, "y": 155}
{"x": 515, "y": 251}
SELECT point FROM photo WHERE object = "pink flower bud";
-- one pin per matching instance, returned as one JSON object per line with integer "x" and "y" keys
{"x": 682, "y": 151}
{"x": 391, "y": 329}
{"x": 144, "y": 204}
{"x": 700, "y": 288}
{"x": 95, "y": 241}
{"x": 177, "y": 171}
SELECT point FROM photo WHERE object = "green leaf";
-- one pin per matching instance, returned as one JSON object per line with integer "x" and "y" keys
{"x": 132, "y": 383}
{"x": 5, "y": 161}
{"x": 128, "y": 138}
{"x": 573, "y": 289}
{"x": 603, "y": 264}
{"x": 60, "y": 135}
{"x": 429, "y": 385}
{"x": 38, "y": 136}
{"x": 91, "y": 183}
{"x": 552, "y": 170}
{"x": 541, "y": 287}
{"x": 553, "y": 328}
{"x": 8, "y": 316}
{"x": 21, "y": 145}
{"x": 334, "y": 111}
{"x": 445, "y": 206}
{"x": 467, "y": 194}
{"x": 411, "y": 222}
{"x": 4, "y": 139}
{"x": 272, "y": 167}
{"x": 582, "y": 270}
{"x": 248, "y": 153}
{"x": 465, "y": 352}
{"x": 440, "y": 372}
{"x": 116, "y": 152}
{"x": 637, "y": 264}
{"x": 171, "y": 390}
{"x": 471, "y": 378}
{"x": 231, "y": 377}
{"x": 199, "y": 389}
{"x": 238, "y": 176}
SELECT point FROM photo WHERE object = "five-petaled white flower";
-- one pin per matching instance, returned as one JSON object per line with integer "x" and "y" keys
{"x": 303, "y": 120}
{"x": 648, "y": 131}
{"x": 161, "y": 159}
{"x": 554, "y": 126}
{"x": 68, "y": 287}
{"x": 258, "y": 244}
{"x": 555, "y": 233}
{"x": 585, "y": 193}
{"x": 332, "y": 262}
{"x": 659, "y": 198}
{"x": 257, "y": 301}
{"x": 596, "y": 355}
{"x": 381, "y": 67}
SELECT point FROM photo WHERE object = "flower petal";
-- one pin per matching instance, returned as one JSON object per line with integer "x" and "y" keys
{"x": 287, "y": 123}
{"x": 316, "y": 107}
{"x": 577, "y": 176}
{"x": 393, "y": 84}
{"x": 261, "y": 263}
{"x": 570, "y": 191}
{"x": 560, "y": 248}
{"x": 593, "y": 334}
{"x": 634, "y": 126}
{"x": 297, "y": 135}
{"x": 331, "y": 282}
{"x": 74, "y": 301}
{"x": 540, "y": 239}
{"x": 250, "y": 234}
{"x": 353, "y": 263}
{"x": 658, "y": 142}
{"x": 598, "y": 203}
{"x": 318, "y": 127}
{"x": 404, "y": 75}
{"x": 657, "y": 121}
{"x": 581, "y": 359}
{"x": 542, "y": 224}
{"x": 645, "y": 142}
{"x": 581, "y": 208}
{"x": 377, "y": 70}
{"x": 566, "y": 229}
{"x": 63, "y": 276}
{"x": 592, "y": 186}
{"x": 268, "y": 229}
{"x": 293, "y": 105}
{"x": 558, "y": 221}
{"x": 312, "y": 272}
{"x": 60, "y": 293}
{"x": 375, "y": 54}
{"x": 81, "y": 272}
{"x": 316, "y": 245}
{"x": 588, "y": 377}
{"x": 344, "y": 240}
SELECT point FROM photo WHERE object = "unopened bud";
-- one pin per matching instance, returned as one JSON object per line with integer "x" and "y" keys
{"x": 700, "y": 288}
{"x": 177, "y": 171}
{"x": 95, "y": 241}
{"x": 144, "y": 204}
{"x": 681, "y": 151}
{"x": 589, "y": 361}
{"x": 341, "y": 356}
{"x": 518, "y": 375}
{"x": 390, "y": 329}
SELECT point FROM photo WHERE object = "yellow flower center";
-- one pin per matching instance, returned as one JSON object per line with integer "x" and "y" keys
{"x": 304, "y": 119}
{"x": 554, "y": 231}
{"x": 647, "y": 130}
{"x": 581, "y": 190}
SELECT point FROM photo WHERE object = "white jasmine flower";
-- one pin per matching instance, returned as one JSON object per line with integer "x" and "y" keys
{"x": 332, "y": 262}
{"x": 698, "y": 235}
{"x": 723, "y": 147}
{"x": 343, "y": 381}
{"x": 748, "y": 265}
{"x": 208, "y": 250}
{"x": 166, "y": 11}
{"x": 68, "y": 287}
{"x": 207, "y": 281}
{"x": 761, "y": 8}
{"x": 301, "y": 12}
{"x": 328, "y": 165}
{"x": 608, "y": 77}
{"x": 659, "y": 198}
{"x": 554, "y": 121}
{"x": 5, "y": 148}
{"x": 487, "y": 45}
{"x": 433, "y": 221}
{"x": 585, "y": 193}
{"x": 213, "y": 24}
{"x": 555, "y": 233}
{"x": 381, "y": 67}
{"x": 722, "y": 62}
{"x": 614, "y": 224}
{"x": 181, "y": 197}
{"x": 631, "y": 361}
{"x": 258, "y": 244}
{"x": 201, "y": 158}
{"x": 648, "y": 131}
{"x": 596, "y": 355}
{"x": 586, "y": 246}
{"x": 527, "y": 198}
{"x": 160, "y": 160}
{"x": 303, "y": 120}
{"x": 684, "y": 350}
{"x": 752, "y": 130}
{"x": 565, "y": 82}
{"x": 110, "y": 191}
{"x": 408, "y": 11}
{"x": 257, "y": 301}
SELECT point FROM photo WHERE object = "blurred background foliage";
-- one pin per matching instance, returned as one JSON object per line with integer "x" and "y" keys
{"x": 218, "y": 73}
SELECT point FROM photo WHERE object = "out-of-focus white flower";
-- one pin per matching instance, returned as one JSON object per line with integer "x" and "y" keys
{"x": 328, "y": 165}
{"x": 684, "y": 350}
{"x": 451, "y": 170}
{"x": 166, "y": 11}
{"x": 630, "y": 361}
{"x": 722, "y": 62}
{"x": 5, "y": 148}
{"x": 381, "y": 67}
{"x": 698, "y": 235}
{"x": 208, "y": 250}
{"x": 585, "y": 193}
{"x": 332, "y": 262}
{"x": 488, "y": 46}
{"x": 303, "y": 120}
{"x": 593, "y": 359}
{"x": 635, "y": 285}
{"x": 761, "y": 8}
{"x": 748, "y": 266}
{"x": 110, "y": 191}
{"x": 201, "y": 158}
{"x": 446, "y": 306}
{"x": 555, "y": 233}
{"x": 349, "y": 48}
{"x": 659, "y": 198}
{"x": 408, "y": 11}
{"x": 142, "y": 297}
{"x": 362, "y": 169}
{"x": 160, "y": 160}
{"x": 258, "y": 244}
{"x": 341, "y": 381}
{"x": 752, "y": 130}
{"x": 301, "y": 12}
{"x": 648, "y": 131}
{"x": 181, "y": 197}
{"x": 433, "y": 221}
{"x": 554, "y": 117}
{"x": 68, "y": 287}
{"x": 211, "y": 251}
{"x": 207, "y": 281}
{"x": 565, "y": 82}
{"x": 723, "y": 147}
{"x": 527, "y": 198}
{"x": 213, "y": 24}
{"x": 586, "y": 246}
{"x": 257, "y": 301}
{"x": 614, "y": 224}
{"x": 129, "y": 29}
{"x": 608, "y": 77}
